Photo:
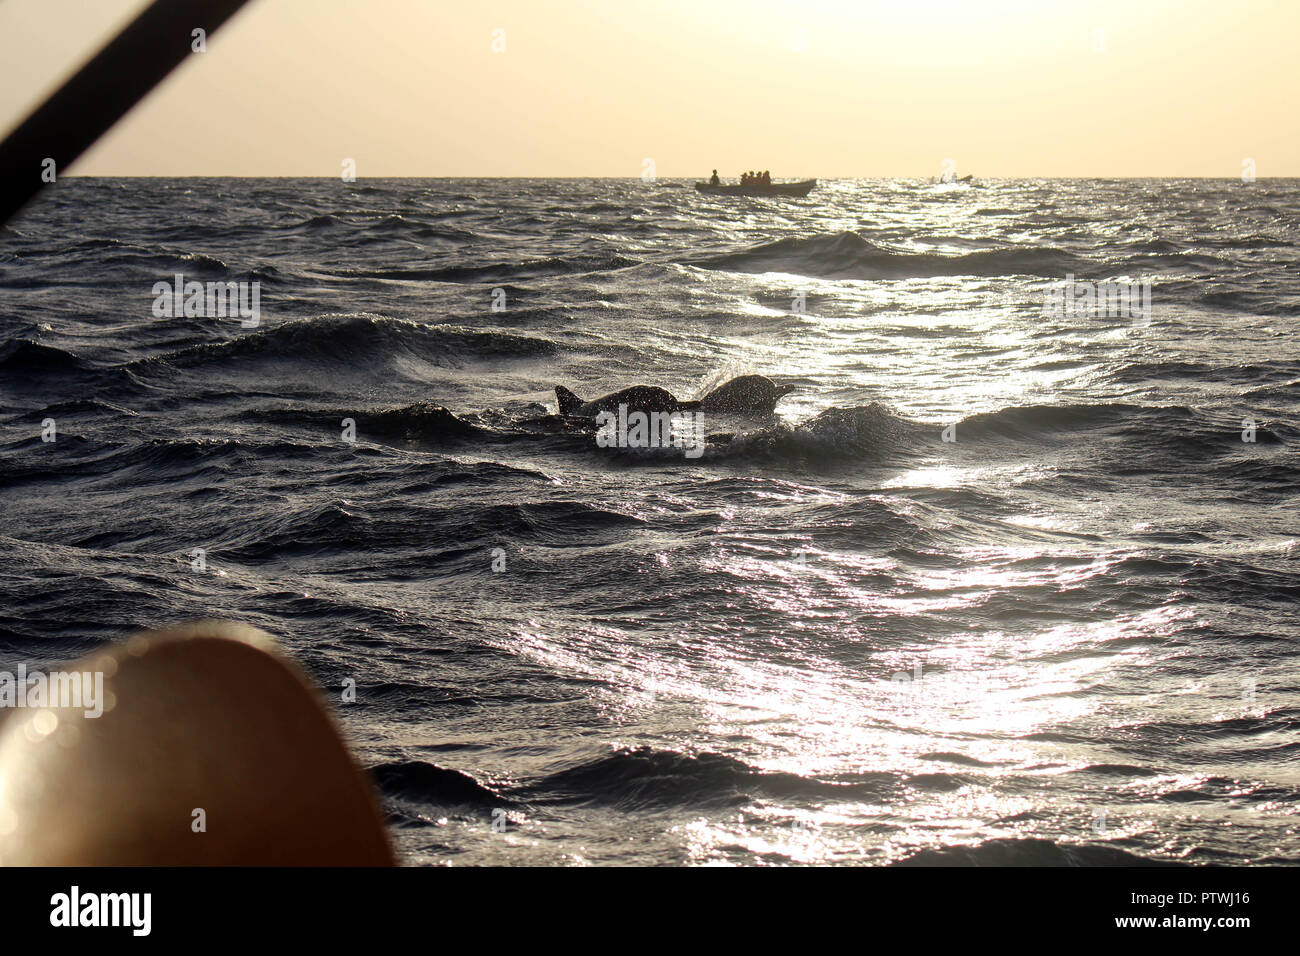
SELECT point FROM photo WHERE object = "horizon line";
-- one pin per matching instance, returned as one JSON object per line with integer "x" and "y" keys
{"x": 616, "y": 178}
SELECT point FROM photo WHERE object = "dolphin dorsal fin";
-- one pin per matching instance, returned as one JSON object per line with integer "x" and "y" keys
{"x": 568, "y": 402}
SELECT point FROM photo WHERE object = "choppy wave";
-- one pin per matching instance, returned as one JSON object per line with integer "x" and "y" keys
{"x": 1031, "y": 852}
{"x": 23, "y": 357}
{"x": 499, "y": 272}
{"x": 646, "y": 779}
{"x": 429, "y": 784}
{"x": 641, "y": 779}
{"x": 847, "y": 255}
{"x": 354, "y": 339}
{"x": 835, "y": 435}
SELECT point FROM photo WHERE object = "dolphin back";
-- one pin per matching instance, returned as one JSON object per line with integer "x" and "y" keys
{"x": 645, "y": 398}
{"x": 745, "y": 394}
{"x": 568, "y": 402}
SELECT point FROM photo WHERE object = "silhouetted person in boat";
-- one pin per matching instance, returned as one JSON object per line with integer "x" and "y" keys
{"x": 767, "y": 178}
{"x": 714, "y": 180}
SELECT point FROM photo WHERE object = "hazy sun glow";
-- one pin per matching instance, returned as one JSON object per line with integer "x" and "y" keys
{"x": 819, "y": 88}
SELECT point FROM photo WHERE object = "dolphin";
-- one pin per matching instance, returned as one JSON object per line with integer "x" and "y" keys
{"x": 751, "y": 394}
{"x": 641, "y": 398}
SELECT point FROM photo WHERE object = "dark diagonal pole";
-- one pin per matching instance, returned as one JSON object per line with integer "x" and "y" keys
{"x": 101, "y": 93}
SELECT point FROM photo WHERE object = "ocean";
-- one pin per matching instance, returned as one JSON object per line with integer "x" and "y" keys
{"x": 1009, "y": 577}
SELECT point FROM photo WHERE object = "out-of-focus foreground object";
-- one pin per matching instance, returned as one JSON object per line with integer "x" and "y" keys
{"x": 212, "y": 750}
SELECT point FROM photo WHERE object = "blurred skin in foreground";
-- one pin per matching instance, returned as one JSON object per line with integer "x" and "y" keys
{"x": 212, "y": 750}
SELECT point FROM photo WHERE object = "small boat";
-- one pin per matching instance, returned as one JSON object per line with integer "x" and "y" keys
{"x": 772, "y": 189}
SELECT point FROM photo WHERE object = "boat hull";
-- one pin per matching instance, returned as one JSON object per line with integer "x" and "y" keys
{"x": 774, "y": 189}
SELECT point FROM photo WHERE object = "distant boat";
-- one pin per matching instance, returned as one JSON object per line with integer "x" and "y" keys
{"x": 772, "y": 189}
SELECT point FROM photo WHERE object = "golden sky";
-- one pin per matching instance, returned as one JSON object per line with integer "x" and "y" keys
{"x": 804, "y": 88}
